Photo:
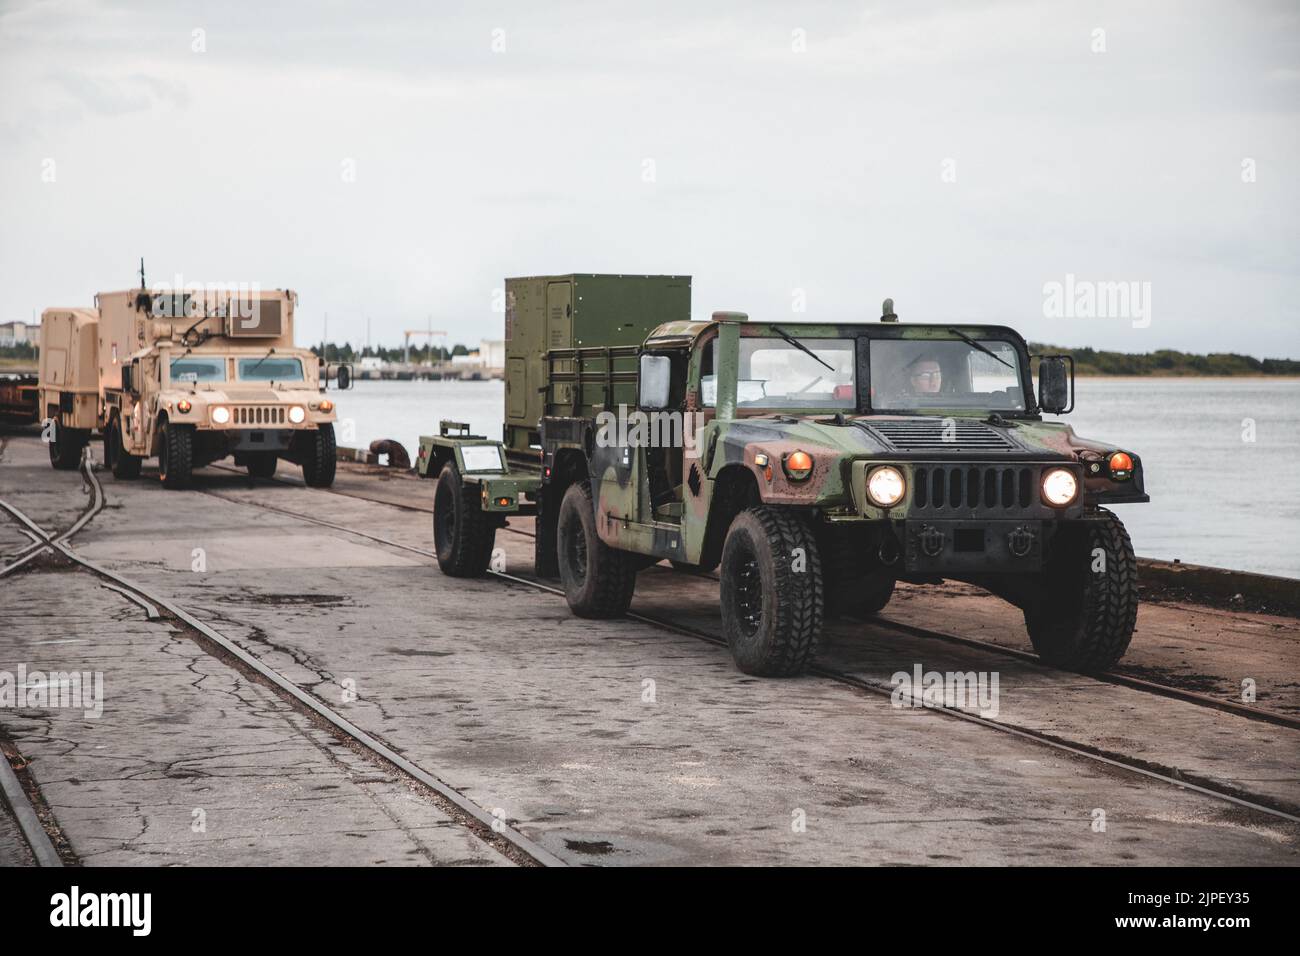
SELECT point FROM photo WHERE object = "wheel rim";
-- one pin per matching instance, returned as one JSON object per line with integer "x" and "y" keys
{"x": 749, "y": 596}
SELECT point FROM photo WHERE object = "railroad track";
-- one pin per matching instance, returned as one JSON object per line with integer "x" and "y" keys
{"x": 44, "y": 542}
{"x": 485, "y": 825}
{"x": 1169, "y": 776}
{"x": 1118, "y": 678}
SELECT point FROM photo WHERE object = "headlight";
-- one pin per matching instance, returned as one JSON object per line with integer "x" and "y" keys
{"x": 798, "y": 465}
{"x": 297, "y": 414}
{"x": 220, "y": 414}
{"x": 1059, "y": 486}
{"x": 886, "y": 486}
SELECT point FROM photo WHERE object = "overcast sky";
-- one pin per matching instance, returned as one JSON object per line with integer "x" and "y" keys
{"x": 398, "y": 160}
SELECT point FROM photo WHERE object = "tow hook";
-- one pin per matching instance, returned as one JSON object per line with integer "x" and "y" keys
{"x": 931, "y": 540}
{"x": 1020, "y": 541}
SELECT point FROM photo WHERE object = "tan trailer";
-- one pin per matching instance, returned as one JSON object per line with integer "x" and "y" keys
{"x": 69, "y": 382}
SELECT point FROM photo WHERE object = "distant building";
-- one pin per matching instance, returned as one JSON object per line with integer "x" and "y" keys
{"x": 15, "y": 333}
{"x": 492, "y": 353}
{"x": 372, "y": 361}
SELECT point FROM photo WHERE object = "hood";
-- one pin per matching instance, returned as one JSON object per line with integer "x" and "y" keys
{"x": 908, "y": 437}
{"x": 258, "y": 392}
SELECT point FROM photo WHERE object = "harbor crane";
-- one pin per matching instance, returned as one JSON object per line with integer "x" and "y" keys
{"x": 406, "y": 347}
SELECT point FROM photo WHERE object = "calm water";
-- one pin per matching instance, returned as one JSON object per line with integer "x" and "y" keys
{"x": 1215, "y": 498}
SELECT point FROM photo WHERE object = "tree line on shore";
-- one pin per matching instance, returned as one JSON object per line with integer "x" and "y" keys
{"x": 1168, "y": 362}
{"x": 1088, "y": 361}
{"x": 422, "y": 355}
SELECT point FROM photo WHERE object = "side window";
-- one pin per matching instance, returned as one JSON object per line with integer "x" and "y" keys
{"x": 678, "y": 367}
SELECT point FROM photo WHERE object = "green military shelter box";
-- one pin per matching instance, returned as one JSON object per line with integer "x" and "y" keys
{"x": 545, "y": 313}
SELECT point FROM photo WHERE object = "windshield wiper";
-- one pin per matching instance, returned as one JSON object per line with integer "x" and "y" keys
{"x": 983, "y": 348}
{"x": 801, "y": 347}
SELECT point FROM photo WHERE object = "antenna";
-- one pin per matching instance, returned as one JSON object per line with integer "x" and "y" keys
{"x": 143, "y": 288}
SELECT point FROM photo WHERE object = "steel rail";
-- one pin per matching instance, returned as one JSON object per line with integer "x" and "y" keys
{"x": 1173, "y": 777}
{"x": 144, "y": 595}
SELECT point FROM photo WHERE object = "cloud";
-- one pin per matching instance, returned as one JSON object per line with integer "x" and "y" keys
{"x": 776, "y": 166}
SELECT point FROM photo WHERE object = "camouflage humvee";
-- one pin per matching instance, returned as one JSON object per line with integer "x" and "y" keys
{"x": 816, "y": 465}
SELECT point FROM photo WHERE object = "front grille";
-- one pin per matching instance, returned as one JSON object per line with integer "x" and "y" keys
{"x": 950, "y": 488}
{"x": 260, "y": 414}
{"x": 938, "y": 434}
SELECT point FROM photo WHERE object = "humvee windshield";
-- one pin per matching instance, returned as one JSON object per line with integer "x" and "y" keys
{"x": 270, "y": 369}
{"x": 191, "y": 368}
{"x": 909, "y": 374}
{"x": 777, "y": 374}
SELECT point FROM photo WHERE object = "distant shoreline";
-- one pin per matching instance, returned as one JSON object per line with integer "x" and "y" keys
{"x": 1198, "y": 375}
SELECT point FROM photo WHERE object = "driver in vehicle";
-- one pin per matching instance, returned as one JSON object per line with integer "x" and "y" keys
{"x": 925, "y": 376}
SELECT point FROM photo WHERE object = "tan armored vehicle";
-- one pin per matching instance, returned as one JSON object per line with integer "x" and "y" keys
{"x": 189, "y": 378}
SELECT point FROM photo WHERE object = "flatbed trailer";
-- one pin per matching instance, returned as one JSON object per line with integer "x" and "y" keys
{"x": 20, "y": 398}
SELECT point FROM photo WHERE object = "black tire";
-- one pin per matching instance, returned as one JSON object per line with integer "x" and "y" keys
{"x": 261, "y": 464}
{"x": 598, "y": 580}
{"x": 855, "y": 585}
{"x": 124, "y": 466}
{"x": 772, "y": 604}
{"x": 1082, "y": 619}
{"x": 463, "y": 533}
{"x": 176, "y": 455}
{"x": 873, "y": 594}
{"x": 66, "y": 448}
{"x": 321, "y": 459}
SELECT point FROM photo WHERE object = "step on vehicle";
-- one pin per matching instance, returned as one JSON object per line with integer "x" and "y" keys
{"x": 815, "y": 466}
{"x": 187, "y": 377}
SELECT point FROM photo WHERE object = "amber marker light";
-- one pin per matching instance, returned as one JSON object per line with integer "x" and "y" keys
{"x": 1121, "y": 466}
{"x": 326, "y": 405}
{"x": 798, "y": 465}
{"x": 183, "y": 406}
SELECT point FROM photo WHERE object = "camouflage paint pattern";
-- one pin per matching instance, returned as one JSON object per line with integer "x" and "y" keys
{"x": 844, "y": 449}
{"x": 842, "y": 453}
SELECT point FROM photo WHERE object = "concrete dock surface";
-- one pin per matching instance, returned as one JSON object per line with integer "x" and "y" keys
{"x": 606, "y": 742}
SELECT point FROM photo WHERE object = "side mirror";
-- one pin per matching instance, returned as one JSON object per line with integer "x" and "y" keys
{"x": 1056, "y": 384}
{"x": 656, "y": 377}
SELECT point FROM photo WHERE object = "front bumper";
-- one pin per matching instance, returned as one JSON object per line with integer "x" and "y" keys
{"x": 974, "y": 545}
